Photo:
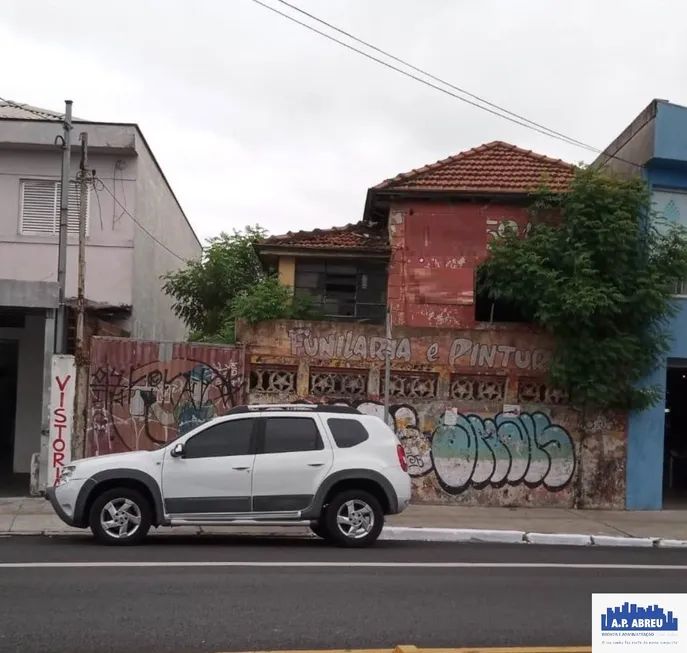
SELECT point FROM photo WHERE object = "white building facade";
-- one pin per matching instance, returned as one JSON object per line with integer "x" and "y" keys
{"x": 136, "y": 232}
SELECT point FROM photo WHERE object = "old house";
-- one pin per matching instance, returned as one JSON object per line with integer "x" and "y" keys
{"x": 468, "y": 393}
{"x": 136, "y": 231}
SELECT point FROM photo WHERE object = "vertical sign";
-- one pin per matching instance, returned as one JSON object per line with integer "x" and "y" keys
{"x": 62, "y": 392}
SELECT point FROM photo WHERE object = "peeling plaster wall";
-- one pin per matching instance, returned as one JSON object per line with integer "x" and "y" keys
{"x": 471, "y": 407}
{"x": 435, "y": 249}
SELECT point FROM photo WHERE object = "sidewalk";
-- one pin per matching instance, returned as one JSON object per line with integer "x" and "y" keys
{"x": 34, "y": 516}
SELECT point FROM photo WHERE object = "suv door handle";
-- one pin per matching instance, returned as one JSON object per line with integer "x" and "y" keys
{"x": 315, "y": 464}
{"x": 241, "y": 468}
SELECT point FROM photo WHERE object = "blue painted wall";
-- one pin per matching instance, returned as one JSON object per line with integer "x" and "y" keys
{"x": 670, "y": 135}
{"x": 665, "y": 172}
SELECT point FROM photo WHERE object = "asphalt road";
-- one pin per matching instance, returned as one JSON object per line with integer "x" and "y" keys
{"x": 186, "y": 595}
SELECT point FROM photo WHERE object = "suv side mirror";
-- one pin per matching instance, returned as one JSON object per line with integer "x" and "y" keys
{"x": 178, "y": 451}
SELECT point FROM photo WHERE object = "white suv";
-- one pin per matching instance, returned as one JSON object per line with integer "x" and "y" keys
{"x": 329, "y": 467}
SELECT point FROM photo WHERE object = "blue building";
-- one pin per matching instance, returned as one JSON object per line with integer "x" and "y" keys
{"x": 655, "y": 146}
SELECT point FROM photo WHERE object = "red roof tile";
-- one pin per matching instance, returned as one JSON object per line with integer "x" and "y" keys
{"x": 352, "y": 236}
{"x": 494, "y": 167}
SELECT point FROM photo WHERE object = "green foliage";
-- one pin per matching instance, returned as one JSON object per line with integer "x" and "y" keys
{"x": 228, "y": 283}
{"x": 269, "y": 300}
{"x": 597, "y": 272}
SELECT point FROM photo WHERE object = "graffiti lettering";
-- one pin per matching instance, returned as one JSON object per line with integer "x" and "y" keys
{"x": 498, "y": 228}
{"x": 466, "y": 352}
{"x": 463, "y": 352}
{"x": 471, "y": 451}
{"x": 433, "y": 353}
{"x": 347, "y": 346}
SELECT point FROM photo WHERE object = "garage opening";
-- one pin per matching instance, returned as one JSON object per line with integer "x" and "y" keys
{"x": 675, "y": 448}
{"x": 9, "y": 359}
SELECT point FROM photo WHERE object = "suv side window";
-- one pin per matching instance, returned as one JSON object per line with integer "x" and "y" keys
{"x": 347, "y": 432}
{"x": 232, "y": 438}
{"x": 285, "y": 434}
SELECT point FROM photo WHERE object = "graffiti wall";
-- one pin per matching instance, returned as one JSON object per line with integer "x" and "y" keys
{"x": 145, "y": 394}
{"x": 472, "y": 409}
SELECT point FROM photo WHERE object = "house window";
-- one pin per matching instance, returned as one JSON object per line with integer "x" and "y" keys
{"x": 342, "y": 290}
{"x": 490, "y": 310}
{"x": 40, "y": 208}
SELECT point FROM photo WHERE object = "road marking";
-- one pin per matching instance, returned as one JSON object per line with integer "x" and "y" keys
{"x": 343, "y": 565}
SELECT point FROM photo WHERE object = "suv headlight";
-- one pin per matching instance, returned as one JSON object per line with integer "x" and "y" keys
{"x": 66, "y": 474}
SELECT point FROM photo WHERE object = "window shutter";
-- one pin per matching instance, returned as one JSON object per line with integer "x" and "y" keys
{"x": 40, "y": 210}
{"x": 39, "y": 203}
{"x": 73, "y": 211}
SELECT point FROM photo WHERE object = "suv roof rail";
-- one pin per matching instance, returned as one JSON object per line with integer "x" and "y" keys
{"x": 317, "y": 408}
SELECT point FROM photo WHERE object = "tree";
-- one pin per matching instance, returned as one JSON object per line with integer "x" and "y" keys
{"x": 227, "y": 283}
{"x": 597, "y": 272}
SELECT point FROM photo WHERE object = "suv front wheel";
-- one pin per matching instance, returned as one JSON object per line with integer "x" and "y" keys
{"x": 353, "y": 518}
{"x": 120, "y": 517}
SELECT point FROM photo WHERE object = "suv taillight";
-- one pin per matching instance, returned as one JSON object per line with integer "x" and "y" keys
{"x": 402, "y": 460}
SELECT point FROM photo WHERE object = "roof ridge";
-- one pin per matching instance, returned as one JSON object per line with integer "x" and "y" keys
{"x": 317, "y": 231}
{"x": 350, "y": 236}
{"x": 404, "y": 179}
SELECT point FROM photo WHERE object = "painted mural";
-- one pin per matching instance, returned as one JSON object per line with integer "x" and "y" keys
{"x": 463, "y": 452}
{"x": 472, "y": 408}
{"x": 140, "y": 399}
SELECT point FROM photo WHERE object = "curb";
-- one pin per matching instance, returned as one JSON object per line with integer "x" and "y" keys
{"x": 523, "y": 537}
{"x": 420, "y": 534}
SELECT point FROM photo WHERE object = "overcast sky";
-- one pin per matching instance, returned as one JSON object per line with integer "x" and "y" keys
{"x": 257, "y": 120}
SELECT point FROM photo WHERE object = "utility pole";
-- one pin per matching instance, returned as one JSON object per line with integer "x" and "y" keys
{"x": 80, "y": 341}
{"x": 387, "y": 365}
{"x": 61, "y": 317}
{"x": 84, "y": 180}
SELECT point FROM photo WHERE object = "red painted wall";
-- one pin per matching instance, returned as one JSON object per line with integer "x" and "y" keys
{"x": 436, "y": 248}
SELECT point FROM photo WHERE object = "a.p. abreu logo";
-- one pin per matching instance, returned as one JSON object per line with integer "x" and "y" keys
{"x": 631, "y": 617}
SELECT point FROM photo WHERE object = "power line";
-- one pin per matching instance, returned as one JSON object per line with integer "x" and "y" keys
{"x": 141, "y": 227}
{"x": 435, "y": 78}
{"x": 565, "y": 139}
{"x": 501, "y": 113}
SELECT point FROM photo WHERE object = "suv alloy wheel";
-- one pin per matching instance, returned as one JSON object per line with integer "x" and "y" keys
{"x": 353, "y": 518}
{"x": 120, "y": 517}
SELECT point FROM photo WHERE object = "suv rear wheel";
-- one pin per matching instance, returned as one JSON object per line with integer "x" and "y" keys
{"x": 353, "y": 518}
{"x": 120, "y": 517}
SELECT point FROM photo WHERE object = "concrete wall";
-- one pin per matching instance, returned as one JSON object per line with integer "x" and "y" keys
{"x": 671, "y": 138}
{"x": 435, "y": 250}
{"x": 159, "y": 211}
{"x": 109, "y": 246}
{"x": 633, "y": 147}
{"x": 27, "y": 439}
{"x": 471, "y": 407}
